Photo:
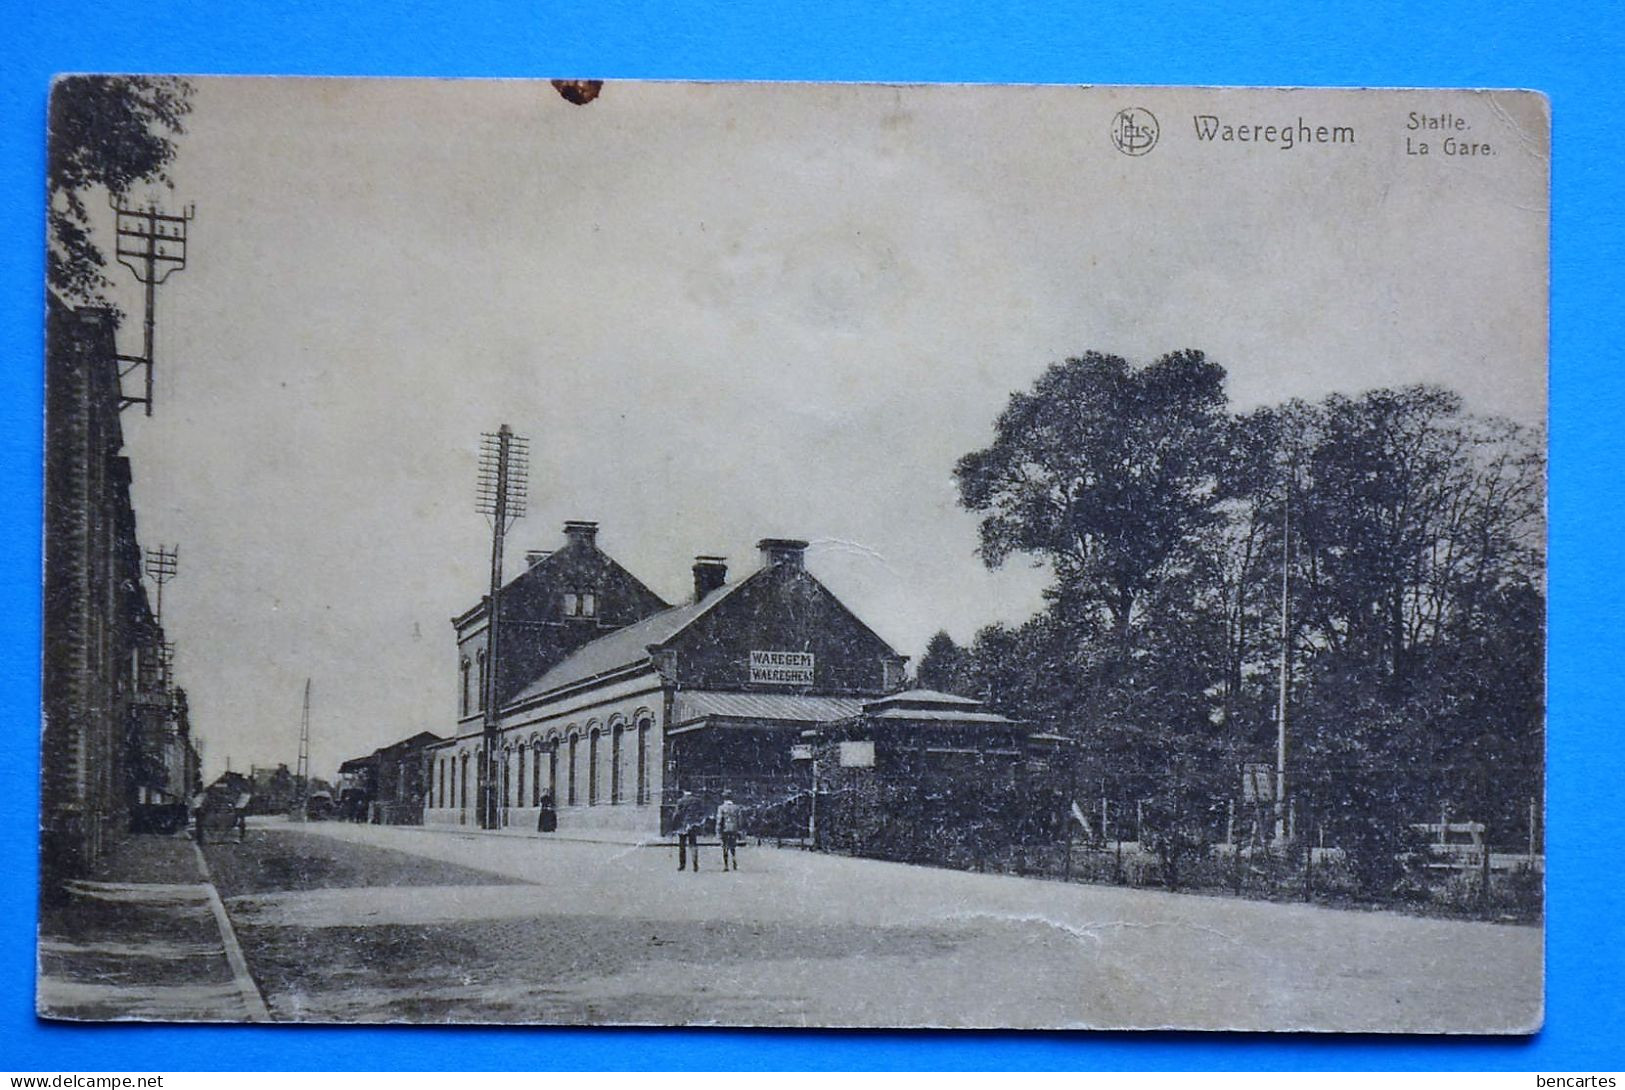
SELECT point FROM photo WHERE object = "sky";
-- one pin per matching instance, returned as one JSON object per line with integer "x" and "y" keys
{"x": 728, "y": 312}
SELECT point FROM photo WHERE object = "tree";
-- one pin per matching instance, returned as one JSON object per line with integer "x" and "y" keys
{"x": 1104, "y": 470}
{"x": 1113, "y": 474}
{"x": 1414, "y": 572}
{"x": 107, "y": 132}
{"x": 1413, "y": 512}
{"x": 1408, "y": 532}
{"x": 945, "y": 666}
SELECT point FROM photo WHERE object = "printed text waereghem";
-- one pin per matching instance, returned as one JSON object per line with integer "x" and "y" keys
{"x": 1211, "y": 129}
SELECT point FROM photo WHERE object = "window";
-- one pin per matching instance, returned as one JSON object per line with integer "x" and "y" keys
{"x": 575, "y": 745}
{"x": 536, "y": 772}
{"x": 580, "y": 603}
{"x": 589, "y": 604}
{"x": 519, "y": 799}
{"x": 481, "y": 659}
{"x": 592, "y": 768}
{"x": 643, "y": 763}
{"x": 467, "y": 699}
{"x": 553, "y": 770}
{"x": 615, "y": 765}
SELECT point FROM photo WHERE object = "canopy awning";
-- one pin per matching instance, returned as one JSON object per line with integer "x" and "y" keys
{"x": 697, "y": 710}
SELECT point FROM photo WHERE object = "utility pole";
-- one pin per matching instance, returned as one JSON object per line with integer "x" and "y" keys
{"x": 1286, "y": 669}
{"x": 163, "y": 564}
{"x": 302, "y": 773}
{"x": 152, "y": 245}
{"x": 500, "y": 495}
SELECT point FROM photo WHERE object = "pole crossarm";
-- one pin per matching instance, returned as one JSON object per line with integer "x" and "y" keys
{"x": 152, "y": 245}
{"x": 162, "y": 565}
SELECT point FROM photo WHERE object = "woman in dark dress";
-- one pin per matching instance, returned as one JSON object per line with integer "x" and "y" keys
{"x": 547, "y": 818}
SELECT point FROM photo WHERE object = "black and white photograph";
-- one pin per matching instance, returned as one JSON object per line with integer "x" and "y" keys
{"x": 591, "y": 552}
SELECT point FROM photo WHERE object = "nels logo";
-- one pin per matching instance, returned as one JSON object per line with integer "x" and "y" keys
{"x": 1135, "y": 130}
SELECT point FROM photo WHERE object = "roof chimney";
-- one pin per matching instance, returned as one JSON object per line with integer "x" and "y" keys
{"x": 534, "y": 557}
{"x": 710, "y": 572}
{"x": 582, "y": 534}
{"x": 782, "y": 550}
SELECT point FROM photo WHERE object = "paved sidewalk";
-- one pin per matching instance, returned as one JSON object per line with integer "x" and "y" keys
{"x": 146, "y": 939}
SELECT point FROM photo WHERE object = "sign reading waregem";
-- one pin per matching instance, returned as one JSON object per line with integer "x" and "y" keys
{"x": 781, "y": 667}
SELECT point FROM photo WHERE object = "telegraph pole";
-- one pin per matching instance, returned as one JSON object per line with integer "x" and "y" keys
{"x": 1286, "y": 670}
{"x": 500, "y": 496}
{"x": 162, "y": 566}
{"x": 302, "y": 775}
{"x": 152, "y": 245}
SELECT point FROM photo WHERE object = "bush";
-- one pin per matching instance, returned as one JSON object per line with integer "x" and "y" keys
{"x": 1526, "y": 889}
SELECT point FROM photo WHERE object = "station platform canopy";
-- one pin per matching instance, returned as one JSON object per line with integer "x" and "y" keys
{"x": 693, "y": 711}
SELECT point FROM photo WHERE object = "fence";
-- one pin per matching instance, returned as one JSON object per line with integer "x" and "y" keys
{"x": 1034, "y": 831}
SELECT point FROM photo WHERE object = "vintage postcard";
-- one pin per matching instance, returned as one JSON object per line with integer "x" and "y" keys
{"x": 794, "y": 555}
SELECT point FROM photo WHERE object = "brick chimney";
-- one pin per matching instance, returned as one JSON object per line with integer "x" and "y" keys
{"x": 782, "y": 550}
{"x": 581, "y": 534}
{"x": 710, "y": 572}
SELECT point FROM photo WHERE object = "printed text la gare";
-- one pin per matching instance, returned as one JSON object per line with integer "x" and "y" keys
{"x": 1425, "y": 129}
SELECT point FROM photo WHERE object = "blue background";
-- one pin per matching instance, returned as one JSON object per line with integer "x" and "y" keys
{"x": 1571, "y": 51}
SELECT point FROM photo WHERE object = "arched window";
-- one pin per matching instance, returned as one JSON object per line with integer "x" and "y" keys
{"x": 643, "y": 763}
{"x": 480, "y": 658}
{"x": 575, "y": 745}
{"x": 467, "y": 700}
{"x": 462, "y": 783}
{"x": 553, "y": 769}
{"x": 440, "y": 782}
{"x": 592, "y": 768}
{"x": 519, "y": 792}
{"x": 536, "y": 772}
{"x": 507, "y": 778}
{"x": 615, "y": 764}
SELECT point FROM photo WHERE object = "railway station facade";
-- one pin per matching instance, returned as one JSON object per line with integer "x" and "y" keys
{"x": 614, "y": 702}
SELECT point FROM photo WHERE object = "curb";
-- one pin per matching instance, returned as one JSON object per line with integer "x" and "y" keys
{"x": 246, "y": 988}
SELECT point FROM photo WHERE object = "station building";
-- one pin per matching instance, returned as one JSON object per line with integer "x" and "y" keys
{"x": 614, "y": 702}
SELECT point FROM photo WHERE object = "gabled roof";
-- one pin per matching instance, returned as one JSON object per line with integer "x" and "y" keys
{"x": 417, "y": 741}
{"x": 625, "y": 646}
{"x": 544, "y": 571}
{"x": 931, "y": 706}
{"x": 923, "y": 698}
{"x": 941, "y": 715}
{"x": 421, "y": 740}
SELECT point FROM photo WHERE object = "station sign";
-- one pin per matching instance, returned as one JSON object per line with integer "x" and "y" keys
{"x": 858, "y": 754}
{"x": 781, "y": 667}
